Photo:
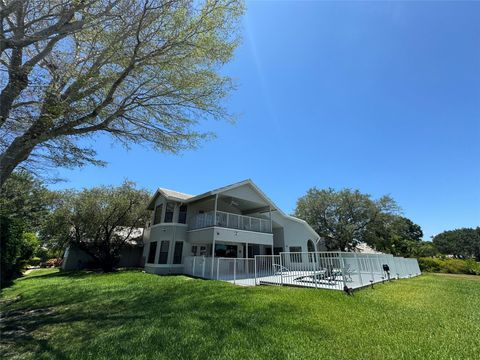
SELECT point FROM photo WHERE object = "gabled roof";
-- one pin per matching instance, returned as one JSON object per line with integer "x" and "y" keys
{"x": 233, "y": 186}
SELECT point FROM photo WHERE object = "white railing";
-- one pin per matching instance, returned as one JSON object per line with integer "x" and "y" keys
{"x": 229, "y": 220}
{"x": 324, "y": 270}
{"x": 236, "y": 270}
{"x": 332, "y": 270}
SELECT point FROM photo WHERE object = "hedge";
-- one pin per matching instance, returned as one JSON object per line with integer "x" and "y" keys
{"x": 450, "y": 266}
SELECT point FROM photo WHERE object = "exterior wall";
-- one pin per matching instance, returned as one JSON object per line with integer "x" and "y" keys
{"x": 294, "y": 233}
{"x": 278, "y": 238}
{"x": 219, "y": 234}
{"x": 171, "y": 232}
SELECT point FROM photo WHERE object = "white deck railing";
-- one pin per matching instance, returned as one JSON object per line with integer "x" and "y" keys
{"x": 229, "y": 220}
{"x": 326, "y": 270}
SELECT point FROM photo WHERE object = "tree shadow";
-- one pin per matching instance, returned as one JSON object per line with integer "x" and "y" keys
{"x": 177, "y": 319}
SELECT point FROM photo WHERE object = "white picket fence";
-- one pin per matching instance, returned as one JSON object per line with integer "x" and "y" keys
{"x": 327, "y": 270}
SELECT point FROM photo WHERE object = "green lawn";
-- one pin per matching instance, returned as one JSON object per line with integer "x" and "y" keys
{"x": 132, "y": 315}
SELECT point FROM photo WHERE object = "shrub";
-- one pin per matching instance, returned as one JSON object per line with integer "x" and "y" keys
{"x": 34, "y": 261}
{"x": 450, "y": 266}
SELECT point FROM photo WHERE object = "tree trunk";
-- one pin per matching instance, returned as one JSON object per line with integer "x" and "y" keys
{"x": 18, "y": 151}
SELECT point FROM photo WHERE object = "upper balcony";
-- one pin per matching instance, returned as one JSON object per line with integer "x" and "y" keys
{"x": 231, "y": 221}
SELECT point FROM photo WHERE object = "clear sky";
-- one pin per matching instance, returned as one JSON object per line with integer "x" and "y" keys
{"x": 383, "y": 97}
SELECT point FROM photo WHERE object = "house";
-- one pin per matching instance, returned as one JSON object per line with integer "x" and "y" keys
{"x": 130, "y": 256}
{"x": 235, "y": 221}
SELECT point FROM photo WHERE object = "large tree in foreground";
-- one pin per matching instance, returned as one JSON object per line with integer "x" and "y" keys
{"x": 341, "y": 217}
{"x": 100, "y": 221}
{"x": 143, "y": 71}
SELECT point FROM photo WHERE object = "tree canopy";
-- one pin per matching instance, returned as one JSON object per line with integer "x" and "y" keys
{"x": 144, "y": 72}
{"x": 462, "y": 243}
{"x": 341, "y": 217}
{"x": 24, "y": 206}
{"x": 99, "y": 221}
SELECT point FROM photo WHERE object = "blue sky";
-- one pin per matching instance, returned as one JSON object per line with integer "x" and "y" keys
{"x": 383, "y": 97}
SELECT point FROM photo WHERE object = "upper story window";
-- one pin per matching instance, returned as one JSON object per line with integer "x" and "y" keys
{"x": 157, "y": 217}
{"x": 169, "y": 212}
{"x": 182, "y": 214}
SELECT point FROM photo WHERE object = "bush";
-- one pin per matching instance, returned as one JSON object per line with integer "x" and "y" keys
{"x": 34, "y": 261}
{"x": 449, "y": 266}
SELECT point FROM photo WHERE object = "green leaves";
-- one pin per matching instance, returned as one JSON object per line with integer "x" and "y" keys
{"x": 341, "y": 217}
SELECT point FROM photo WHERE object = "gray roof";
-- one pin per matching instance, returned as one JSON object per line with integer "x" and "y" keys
{"x": 175, "y": 194}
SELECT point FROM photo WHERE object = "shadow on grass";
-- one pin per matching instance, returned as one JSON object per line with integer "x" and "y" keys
{"x": 144, "y": 315}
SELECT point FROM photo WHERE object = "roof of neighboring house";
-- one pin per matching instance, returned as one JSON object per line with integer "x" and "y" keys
{"x": 366, "y": 249}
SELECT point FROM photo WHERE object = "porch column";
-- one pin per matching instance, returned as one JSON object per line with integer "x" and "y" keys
{"x": 213, "y": 255}
{"x": 246, "y": 255}
{"x": 213, "y": 241}
{"x": 270, "y": 215}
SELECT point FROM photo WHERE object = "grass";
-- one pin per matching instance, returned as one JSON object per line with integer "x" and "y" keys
{"x": 133, "y": 315}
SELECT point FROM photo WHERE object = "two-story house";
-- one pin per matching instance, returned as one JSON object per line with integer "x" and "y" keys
{"x": 236, "y": 221}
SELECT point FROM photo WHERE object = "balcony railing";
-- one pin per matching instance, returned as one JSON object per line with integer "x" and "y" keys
{"x": 229, "y": 220}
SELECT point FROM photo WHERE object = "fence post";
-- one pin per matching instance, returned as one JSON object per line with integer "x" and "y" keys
{"x": 255, "y": 260}
{"x": 218, "y": 267}
{"x": 203, "y": 267}
{"x": 281, "y": 268}
{"x": 193, "y": 266}
{"x": 314, "y": 263}
{"x": 342, "y": 262}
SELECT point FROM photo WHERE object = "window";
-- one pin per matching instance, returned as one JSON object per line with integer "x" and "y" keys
{"x": 157, "y": 218}
{"x": 311, "y": 249}
{"x": 182, "y": 214}
{"x": 194, "y": 250}
{"x": 151, "y": 252}
{"x": 169, "y": 212}
{"x": 177, "y": 254}
{"x": 229, "y": 251}
{"x": 296, "y": 258}
{"x": 162, "y": 259}
{"x": 253, "y": 250}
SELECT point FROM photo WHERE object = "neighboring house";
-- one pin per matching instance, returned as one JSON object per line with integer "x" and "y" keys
{"x": 130, "y": 256}
{"x": 364, "y": 248}
{"x": 235, "y": 221}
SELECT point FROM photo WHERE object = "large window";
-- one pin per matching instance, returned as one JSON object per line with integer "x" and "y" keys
{"x": 163, "y": 258}
{"x": 182, "y": 214}
{"x": 177, "y": 254}
{"x": 296, "y": 258}
{"x": 151, "y": 252}
{"x": 157, "y": 217}
{"x": 169, "y": 212}
{"x": 222, "y": 250}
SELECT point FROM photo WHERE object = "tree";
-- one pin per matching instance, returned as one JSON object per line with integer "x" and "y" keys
{"x": 101, "y": 220}
{"x": 26, "y": 198}
{"x": 144, "y": 72}
{"x": 462, "y": 243}
{"x": 24, "y": 206}
{"x": 395, "y": 234}
{"x": 342, "y": 217}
